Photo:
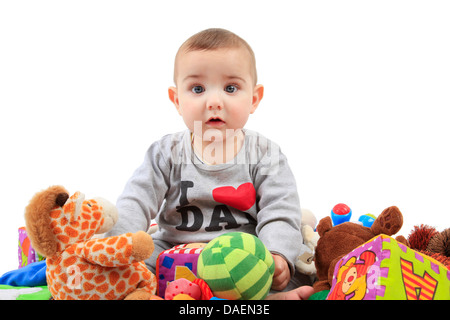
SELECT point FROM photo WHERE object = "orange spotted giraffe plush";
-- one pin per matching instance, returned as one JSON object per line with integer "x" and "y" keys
{"x": 78, "y": 267}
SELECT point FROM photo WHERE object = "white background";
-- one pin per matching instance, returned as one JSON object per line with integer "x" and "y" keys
{"x": 357, "y": 96}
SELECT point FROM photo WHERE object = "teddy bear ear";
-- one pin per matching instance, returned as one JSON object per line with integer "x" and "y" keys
{"x": 38, "y": 220}
{"x": 389, "y": 222}
{"x": 325, "y": 224}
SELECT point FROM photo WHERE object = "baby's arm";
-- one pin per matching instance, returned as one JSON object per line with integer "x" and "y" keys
{"x": 279, "y": 217}
{"x": 143, "y": 194}
{"x": 282, "y": 274}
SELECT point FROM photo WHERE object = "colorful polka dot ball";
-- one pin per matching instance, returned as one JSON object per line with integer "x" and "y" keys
{"x": 237, "y": 266}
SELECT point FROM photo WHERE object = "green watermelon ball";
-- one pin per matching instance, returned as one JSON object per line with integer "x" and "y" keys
{"x": 237, "y": 266}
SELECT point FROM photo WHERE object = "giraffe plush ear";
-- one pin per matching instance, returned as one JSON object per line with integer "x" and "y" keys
{"x": 61, "y": 199}
{"x": 37, "y": 219}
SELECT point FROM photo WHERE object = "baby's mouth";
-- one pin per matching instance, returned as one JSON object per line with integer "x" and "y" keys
{"x": 215, "y": 121}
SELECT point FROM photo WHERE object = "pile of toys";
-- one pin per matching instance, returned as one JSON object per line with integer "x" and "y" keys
{"x": 362, "y": 261}
{"x": 347, "y": 260}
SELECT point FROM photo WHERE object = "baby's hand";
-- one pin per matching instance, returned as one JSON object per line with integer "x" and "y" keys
{"x": 282, "y": 274}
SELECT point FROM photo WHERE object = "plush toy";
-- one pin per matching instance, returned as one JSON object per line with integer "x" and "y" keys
{"x": 429, "y": 241}
{"x": 177, "y": 262}
{"x": 237, "y": 266}
{"x": 335, "y": 242}
{"x": 305, "y": 262}
{"x": 183, "y": 289}
{"x": 79, "y": 267}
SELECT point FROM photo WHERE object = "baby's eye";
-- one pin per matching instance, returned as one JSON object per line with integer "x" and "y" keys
{"x": 231, "y": 89}
{"x": 197, "y": 89}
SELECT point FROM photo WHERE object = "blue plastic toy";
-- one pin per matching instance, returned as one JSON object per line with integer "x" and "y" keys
{"x": 341, "y": 213}
{"x": 367, "y": 220}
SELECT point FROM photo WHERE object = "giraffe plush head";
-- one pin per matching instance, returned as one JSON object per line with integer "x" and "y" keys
{"x": 80, "y": 266}
{"x": 55, "y": 220}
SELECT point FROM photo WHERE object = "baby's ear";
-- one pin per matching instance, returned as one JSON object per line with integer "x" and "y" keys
{"x": 173, "y": 96}
{"x": 324, "y": 225}
{"x": 258, "y": 93}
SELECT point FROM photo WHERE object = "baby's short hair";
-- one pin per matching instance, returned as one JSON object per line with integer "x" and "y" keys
{"x": 213, "y": 39}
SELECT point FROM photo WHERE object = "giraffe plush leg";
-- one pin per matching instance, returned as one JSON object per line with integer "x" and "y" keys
{"x": 146, "y": 288}
{"x": 145, "y": 291}
{"x": 139, "y": 294}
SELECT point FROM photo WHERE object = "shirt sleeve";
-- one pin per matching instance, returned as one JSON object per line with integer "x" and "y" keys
{"x": 143, "y": 194}
{"x": 279, "y": 214}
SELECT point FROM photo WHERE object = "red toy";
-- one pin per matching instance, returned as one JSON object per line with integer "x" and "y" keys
{"x": 341, "y": 213}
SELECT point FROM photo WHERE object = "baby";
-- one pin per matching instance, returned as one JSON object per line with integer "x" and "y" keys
{"x": 217, "y": 177}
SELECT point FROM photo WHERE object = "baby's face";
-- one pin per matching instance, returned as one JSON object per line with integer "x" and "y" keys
{"x": 215, "y": 91}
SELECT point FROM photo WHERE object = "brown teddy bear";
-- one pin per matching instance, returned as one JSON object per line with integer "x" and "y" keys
{"x": 335, "y": 242}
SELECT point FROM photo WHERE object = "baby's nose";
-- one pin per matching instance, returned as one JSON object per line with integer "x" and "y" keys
{"x": 214, "y": 101}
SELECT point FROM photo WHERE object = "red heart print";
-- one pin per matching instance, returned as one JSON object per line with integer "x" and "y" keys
{"x": 242, "y": 198}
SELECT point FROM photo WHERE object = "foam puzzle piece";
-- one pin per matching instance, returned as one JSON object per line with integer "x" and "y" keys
{"x": 384, "y": 269}
{"x": 27, "y": 254}
{"x": 179, "y": 262}
{"x": 24, "y": 293}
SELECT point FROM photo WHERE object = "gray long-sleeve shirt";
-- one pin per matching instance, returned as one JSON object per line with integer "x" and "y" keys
{"x": 195, "y": 202}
